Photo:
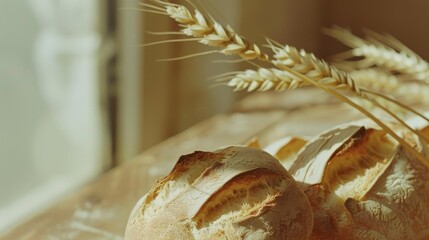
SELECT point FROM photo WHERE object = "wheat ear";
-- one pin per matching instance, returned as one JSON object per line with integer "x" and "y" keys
{"x": 208, "y": 31}
{"x": 200, "y": 27}
{"x": 312, "y": 67}
{"x": 380, "y": 81}
{"x": 264, "y": 79}
{"x": 382, "y": 51}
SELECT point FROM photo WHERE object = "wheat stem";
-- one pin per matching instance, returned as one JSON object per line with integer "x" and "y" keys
{"x": 379, "y": 81}
{"x": 164, "y": 33}
{"x": 169, "y": 41}
{"x": 397, "y": 103}
{"x": 402, "y": 122}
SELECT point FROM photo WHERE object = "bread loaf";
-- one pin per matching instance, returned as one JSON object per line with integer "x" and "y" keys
{"x": 234, "y": 193}
{"x": 363, "y": 185}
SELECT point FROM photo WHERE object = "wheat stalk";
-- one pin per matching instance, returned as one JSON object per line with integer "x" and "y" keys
{"x": 298, "y": 63}
{"x": 382, "y": 51}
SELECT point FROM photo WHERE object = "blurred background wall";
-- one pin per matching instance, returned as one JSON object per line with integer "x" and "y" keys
{"x": 79, "y": 95}
{"x": 406, "y": 21}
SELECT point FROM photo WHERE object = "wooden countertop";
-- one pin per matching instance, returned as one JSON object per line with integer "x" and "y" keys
{"x": 100, "y": 209}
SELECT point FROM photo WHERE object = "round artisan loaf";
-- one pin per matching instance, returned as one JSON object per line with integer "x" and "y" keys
{"x": 233, "y": 193}
{"x": 362, "y": 184}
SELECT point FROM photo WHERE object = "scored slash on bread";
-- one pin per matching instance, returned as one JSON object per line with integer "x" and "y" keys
{"x": 233, "y": 193}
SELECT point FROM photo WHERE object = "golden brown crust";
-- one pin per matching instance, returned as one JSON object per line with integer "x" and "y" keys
{"x": 234, "y": 193}
{"x": 286, "y": 149}
{"x": 290, "y": 149}
{"x": 366, "y": 188}
{"x": 425, "y": 131}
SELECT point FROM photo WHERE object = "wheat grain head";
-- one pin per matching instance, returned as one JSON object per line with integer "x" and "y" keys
{"x": 382, "y": 51}
{"x": 210, "y": 32}
{"x": 265, "y": 79}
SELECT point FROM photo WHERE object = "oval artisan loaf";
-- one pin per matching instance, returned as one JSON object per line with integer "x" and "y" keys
{"x": 363, "y": 185}
{"x": 234, "y": 193}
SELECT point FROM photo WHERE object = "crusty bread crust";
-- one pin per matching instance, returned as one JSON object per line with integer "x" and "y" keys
{"x": 363, "y": 185}
{"x": 233, "y": 193}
